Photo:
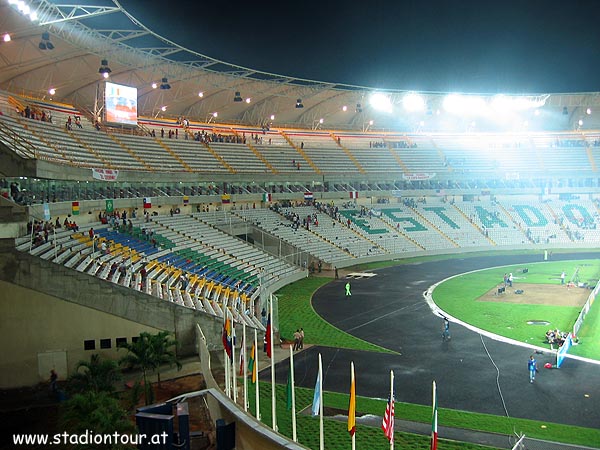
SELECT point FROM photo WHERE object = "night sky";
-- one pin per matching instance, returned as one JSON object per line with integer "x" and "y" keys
{"x": 526, "y": 46}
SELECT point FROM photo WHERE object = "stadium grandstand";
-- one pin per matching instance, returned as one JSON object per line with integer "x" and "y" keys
{"x": 148, "y": 187}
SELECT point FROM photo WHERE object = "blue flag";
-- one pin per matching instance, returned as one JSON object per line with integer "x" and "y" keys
{"x": 317, "y": 397}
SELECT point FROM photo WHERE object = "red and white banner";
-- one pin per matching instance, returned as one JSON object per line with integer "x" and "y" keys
{"x": 105, "y": 174}
{"x": 308, "y": 195}
{"x": 147, "y": 202}
{"x": 353, "y": 194}
{"x": 417, "y": 176}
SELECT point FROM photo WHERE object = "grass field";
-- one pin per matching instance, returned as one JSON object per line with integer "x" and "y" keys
{"x": 295, "y": 310}
{"x": 460, "y": 296}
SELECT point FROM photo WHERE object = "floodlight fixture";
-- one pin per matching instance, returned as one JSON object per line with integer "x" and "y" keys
{"x": 370, "y": 122}
{"x": 33, "y": 16}
{"x": 321, "y": 120}
{"x": 588, "y": 111}
{"x": 272, "y": 116}
{"x": 413, "y": 102}
{"x": 200, "y": 94}
{"x": 237, "y": 97}
{"x": 163, "y": 108}
{"x": 215, "y": 114}
{"x": 381, "y": 102}
{"x": 51, "y": 91}
{"x": 344, "y": 108}
{"x": 154, "y": 85}
{"x": 580, "y": 122}
{"x": 164, "y": 83}
{"x": 104, "y": 70}
{"x": 463, "y": 104}
{"x": 45, "y": 43}
{"x": 6, "y": 37}
{"x": 299, "y": 103}
{"x": 248, "y": 100}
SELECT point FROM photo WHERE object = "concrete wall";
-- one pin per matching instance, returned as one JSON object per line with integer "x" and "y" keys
{"x": 41, "y": 332}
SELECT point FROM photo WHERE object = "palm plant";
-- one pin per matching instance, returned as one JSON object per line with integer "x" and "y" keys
{"x": 97, "y": 375}
{"x": 162, "y": 345}
{"x": 140, "y": 356}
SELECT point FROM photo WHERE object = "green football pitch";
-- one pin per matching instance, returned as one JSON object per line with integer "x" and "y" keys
{"x": 545, "y": 303}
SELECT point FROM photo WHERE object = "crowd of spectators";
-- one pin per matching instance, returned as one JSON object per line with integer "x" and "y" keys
{"x": 556, "y": 337}
{"x": 392, "y": 144}
{"x": 36, "y": 114}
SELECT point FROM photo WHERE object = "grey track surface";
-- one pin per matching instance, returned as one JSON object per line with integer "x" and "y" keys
{"x": 389, "y": 310}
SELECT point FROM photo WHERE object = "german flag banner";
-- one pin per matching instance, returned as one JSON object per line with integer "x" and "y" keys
{"x": 75, "y": 208}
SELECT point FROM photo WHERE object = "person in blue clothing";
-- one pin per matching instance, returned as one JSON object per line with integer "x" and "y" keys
{"x": 532, "y": 366}
{"x": 446, "y": 330}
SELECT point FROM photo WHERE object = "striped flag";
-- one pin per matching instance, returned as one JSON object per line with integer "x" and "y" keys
{"x": 225, "y": 199}
{"x": 267, "y": 197}
{"x": 434, "y": 425}
{"x": 388, "y": 419}
{"x": 252, "y": 363}
{"x": 353, "y": 194}
{"x": 147, "y": 202}
{"x": 75, "y": 208}
{"x": 352, "y": 407}
{"x": 268, "y": 336}
{"x": 308, "y": 195}
{"x": 186, "y": 200}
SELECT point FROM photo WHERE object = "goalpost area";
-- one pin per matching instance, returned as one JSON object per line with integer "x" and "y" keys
{"x": 481, "y": 299}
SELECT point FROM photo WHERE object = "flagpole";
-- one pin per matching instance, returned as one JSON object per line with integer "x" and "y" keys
{"x": 244, "y": 367}
{"x": 226, "y": 356}
{"x": 434, "y": 419}
{"x": 392, "y": 399}
{"x": 294, "y": 436}
{"x": 255, "y": 367}
{"x": 352, "y": 399}
{"x": 321, "y": 438}
{"x": 273, "y": 404}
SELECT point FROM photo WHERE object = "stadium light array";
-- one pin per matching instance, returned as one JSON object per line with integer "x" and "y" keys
{"x": 381, "y": 102}
{"x": 6, "y": 37}
{"x": 588, "y": 111}
{"x": 51, "y": 91}
{"x": 413, "y": 102}
{"x": 464, "y": 104}
{"x": 200, "y": 94}
{"x": 272, "y": 116}
{"x": 24, "y": 9}
{"x": 344, "y": 108}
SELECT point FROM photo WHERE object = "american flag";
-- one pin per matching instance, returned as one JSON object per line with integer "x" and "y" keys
{"x": 388, "y": 420}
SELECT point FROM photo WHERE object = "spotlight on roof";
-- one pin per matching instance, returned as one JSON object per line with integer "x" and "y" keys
{"x": 200, "y": 94}
{"x": 6, "y": 37}
{"x": 45, "y": 43}
{"x": 51, "y": 91}
{"x": 580, "y": 122}
{"x": 588, "y": 111}
{"x": 299, "y": 103}
{"x": 237, "y": 97}
{"x": 163, "y": 108}
{"x": 358, "y": 108}
{"x": 154, "y": 85}
{"x": 215, "y": 114}
{"x": 321, "y": 120}
{"x": 413, "y": 102}
{"x": 272, "y": 116}
{"x": 248, "y": 100}
{"x": 381, "y": 102}
{"x": 164, "y": 83}
{"x": 344, "y": 108}
{"x": 104, "y": 70}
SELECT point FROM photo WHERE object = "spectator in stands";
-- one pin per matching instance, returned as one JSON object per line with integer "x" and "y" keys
{"x": 301, "y": 338}
{"x": 91, "y": 233}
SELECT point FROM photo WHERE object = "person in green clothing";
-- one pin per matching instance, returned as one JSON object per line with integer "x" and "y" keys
{"x": 348, "y": 293}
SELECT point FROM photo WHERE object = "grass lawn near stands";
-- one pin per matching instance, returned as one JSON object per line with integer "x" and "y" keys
{"x": 337, "y": 437}
{"x": 461, "y": 297}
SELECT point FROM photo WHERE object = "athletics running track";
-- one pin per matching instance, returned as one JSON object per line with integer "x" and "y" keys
{"x": 473, "y": 372}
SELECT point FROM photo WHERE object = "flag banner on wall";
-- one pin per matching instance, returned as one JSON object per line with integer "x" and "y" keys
{"x": 225, "y": 199}
{"x": 147, "y": 202}
{"x": 267, "y": 197}
{"x": 75, "y": 208}
{"x": 353, "y": 194}
{"x": 417, "y": 176}
{"x": 352, "y": 405}
{"x": 110, "y": 206}
{"x": 268, "y": 336}
{"x": 308, "y": 195}
{"x": 105, "y": 174}
{"x": 186, "y": 200}
{"x": 46, "y": 211}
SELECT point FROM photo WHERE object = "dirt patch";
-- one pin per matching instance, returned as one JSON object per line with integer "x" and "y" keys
{"x": 538, "y": 294}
